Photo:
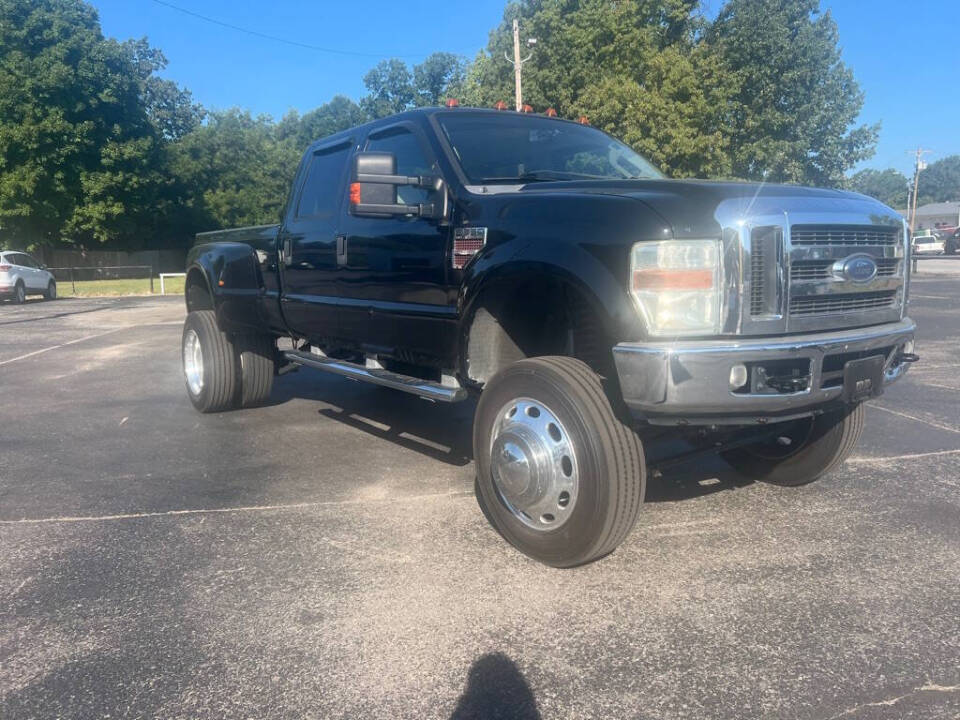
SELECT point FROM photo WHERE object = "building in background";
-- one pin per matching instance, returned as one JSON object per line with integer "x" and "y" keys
{"x": 936, "y": 215}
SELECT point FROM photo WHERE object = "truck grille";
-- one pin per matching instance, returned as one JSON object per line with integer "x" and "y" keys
{"x": 811, "y": 296}
{"x": 822, "y": 269}
{"x": 850, "y": 302}
{"x": 853, "y": 235}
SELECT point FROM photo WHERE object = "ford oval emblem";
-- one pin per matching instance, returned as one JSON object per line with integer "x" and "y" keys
{"x": 857, "y": 268}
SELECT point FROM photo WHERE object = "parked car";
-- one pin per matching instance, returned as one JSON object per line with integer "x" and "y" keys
{"x": 21, "y": 275}
{"x": 951, "y": 240}
{"x": 928, "y": 245}
{"x": 586, "y": 300}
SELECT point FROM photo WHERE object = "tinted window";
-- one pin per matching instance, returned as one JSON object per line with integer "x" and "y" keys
{"x": 411, "y": 160}
{"x": 507, "y": 147}
{"x": 321, "y": 194}
{"x": 27, "y": 261}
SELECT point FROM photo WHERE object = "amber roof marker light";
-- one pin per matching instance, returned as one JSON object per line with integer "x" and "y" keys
{"x": 501, "y": 105}
{"x": 452, "y": 103}
{"x": 550, "y": 112}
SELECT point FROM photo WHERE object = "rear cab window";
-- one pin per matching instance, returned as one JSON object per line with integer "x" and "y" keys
{"x": 321, "y": 194}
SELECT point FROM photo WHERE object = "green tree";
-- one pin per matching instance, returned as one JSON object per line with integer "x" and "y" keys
{"x": 635, "y": 68}
{"x": 792, "y": 116}
{"x": 233, "y": 171}
{"x": 888, "y": 186}
{"x": 940, "y": 182}
{"x": 82, "y": 126}
{"x": 390, "y": 88}
{"x": 332, "y": 117}
{"x": 393, "y": 86}
{"x": 436, "y": 76}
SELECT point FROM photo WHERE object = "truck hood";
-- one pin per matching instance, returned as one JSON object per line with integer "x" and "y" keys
{"x": 702, "y": 208}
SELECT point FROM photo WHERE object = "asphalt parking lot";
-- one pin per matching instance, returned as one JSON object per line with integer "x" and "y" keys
{"x": 324, "y": 557}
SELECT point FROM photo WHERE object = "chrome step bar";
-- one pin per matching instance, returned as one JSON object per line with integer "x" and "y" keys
{"x": 426, "y": 389}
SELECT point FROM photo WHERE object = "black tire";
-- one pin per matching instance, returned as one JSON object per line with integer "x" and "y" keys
{"x": 51, "y": 291}
{"x": 220, "y": 371}
{"x": 609, "y": 457}
{"x": 257, "y": 360}
{"x": 822, "y": 444}
{"x": 19, "y": 294}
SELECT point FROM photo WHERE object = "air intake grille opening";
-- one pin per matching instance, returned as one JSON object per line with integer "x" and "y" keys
{"x": 854, "y": 235}
{"x": 765, "y": 257}
{"x": 821, "y": 269}
{"x": 850, "y": 302}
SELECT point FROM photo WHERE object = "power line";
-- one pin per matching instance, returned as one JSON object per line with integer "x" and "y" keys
{"x": 285, "y": 41}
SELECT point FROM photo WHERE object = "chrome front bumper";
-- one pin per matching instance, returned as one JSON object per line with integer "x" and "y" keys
{"x": 688, "y": 382}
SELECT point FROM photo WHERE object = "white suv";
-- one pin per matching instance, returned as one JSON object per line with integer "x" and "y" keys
{"x": 21, "y": 275}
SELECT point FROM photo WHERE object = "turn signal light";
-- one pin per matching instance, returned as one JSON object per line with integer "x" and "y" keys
{"x": 4, "y": 268}
{"x": 355, "y": 194}
{"x": 527, "y": 109}
{"x": 583, "y": 120}
{"x": 550, "y": 112}
{"x": 452, "y": 102}
{"x": 657, "y": 279}
{"x": 501, "y": 105}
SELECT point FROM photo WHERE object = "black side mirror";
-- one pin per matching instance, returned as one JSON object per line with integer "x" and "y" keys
{"x": 373, "y": 189}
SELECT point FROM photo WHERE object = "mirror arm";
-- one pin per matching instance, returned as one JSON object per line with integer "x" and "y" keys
{"x": 428, "y": 210}
{"x": 422, "y": 181}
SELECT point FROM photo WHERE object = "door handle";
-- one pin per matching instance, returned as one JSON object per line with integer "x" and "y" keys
{"x": 341, "y": 250}
{"x": 286, "y": 251}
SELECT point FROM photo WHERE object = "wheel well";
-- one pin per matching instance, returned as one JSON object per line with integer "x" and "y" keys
{"x": 197, "y": 292}
{"x": 531, "y": 317}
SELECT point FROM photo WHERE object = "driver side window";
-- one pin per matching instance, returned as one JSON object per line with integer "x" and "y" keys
{"x": 411, "y": 160}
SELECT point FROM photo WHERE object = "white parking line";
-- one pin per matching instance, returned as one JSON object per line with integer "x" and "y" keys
{"x": 931, "y": 297}
{"x": 902, "y": 457}
{"x": 914, "y": 417}
{"x": 243, "y": 508}
{"x": 57, "y": 347}
{"x": 88, "y": 337}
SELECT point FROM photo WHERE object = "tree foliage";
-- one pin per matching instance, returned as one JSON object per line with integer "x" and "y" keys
{"x": 940, "y": 182}
{"x": 83, "y": 120}
{"x": 97, "y": 148}
{"x": 888, "y": 186}
{"x": 795, "y": 103}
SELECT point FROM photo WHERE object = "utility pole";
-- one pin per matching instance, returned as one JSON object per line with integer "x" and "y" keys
{"x": 920, "y": 165}
{"x": 518, "y": 63}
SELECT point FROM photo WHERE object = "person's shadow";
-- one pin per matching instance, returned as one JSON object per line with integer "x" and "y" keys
{"x": 496, "y": 689}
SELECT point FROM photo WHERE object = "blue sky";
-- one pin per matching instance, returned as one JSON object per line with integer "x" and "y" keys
{"x": 905, "y": 55}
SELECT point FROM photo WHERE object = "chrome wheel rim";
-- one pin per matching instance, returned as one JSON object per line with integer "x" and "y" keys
{"x": 193, "y": 362}
{"x": 533, "y": 464}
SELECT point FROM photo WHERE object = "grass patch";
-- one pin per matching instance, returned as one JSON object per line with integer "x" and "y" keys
{"x": 136, "y": 286}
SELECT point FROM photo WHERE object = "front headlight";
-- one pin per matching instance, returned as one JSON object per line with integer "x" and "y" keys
{"x": 677, "y": 285}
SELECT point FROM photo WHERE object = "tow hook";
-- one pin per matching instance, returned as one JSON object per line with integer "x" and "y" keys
{"x": 906, "y": 358}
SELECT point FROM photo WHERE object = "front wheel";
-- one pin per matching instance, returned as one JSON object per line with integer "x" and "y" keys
{"x": 803, "y": 451}
{"x": 559, "y": 475}
{"x": 51, "y": 291}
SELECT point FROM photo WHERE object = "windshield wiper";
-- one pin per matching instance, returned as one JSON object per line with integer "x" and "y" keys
{"x": 542, "y": 176}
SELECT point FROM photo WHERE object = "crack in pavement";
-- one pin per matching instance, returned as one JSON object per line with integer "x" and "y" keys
{"x": 926, "y": 687}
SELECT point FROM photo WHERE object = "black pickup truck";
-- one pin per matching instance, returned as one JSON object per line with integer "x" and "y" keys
{"x": 590, "y": 304}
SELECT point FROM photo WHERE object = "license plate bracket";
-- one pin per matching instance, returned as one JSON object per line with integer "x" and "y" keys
{"x": 863, "y": 378}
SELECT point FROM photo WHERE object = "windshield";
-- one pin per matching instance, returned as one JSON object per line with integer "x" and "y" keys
{"x": 524, "y": 148}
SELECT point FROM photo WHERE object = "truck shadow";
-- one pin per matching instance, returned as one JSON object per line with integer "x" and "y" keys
{"x": 445, "y": 433}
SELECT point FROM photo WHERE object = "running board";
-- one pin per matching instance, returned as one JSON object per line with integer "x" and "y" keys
{"x": 426, "y": 389}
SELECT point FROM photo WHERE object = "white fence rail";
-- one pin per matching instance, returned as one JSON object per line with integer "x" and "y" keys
{"x": 166, "y": 275}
